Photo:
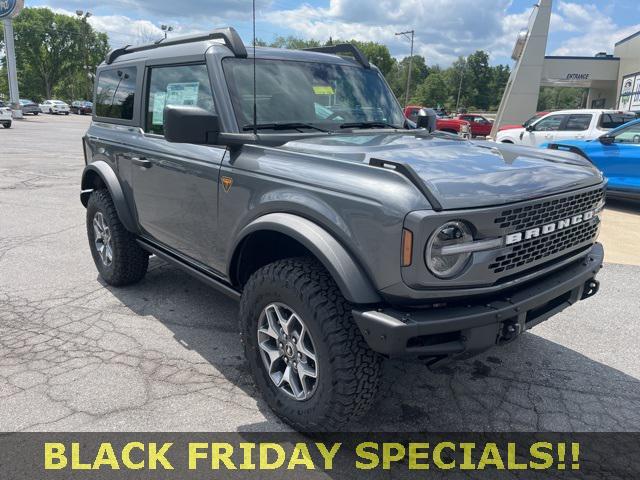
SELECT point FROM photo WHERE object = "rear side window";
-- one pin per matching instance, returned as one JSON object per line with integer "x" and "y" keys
{"x": 116, "y": 92}
{"x": 176, "y": 85}
{"x": 609, "y": 121}
{"x": 578, "y": 123}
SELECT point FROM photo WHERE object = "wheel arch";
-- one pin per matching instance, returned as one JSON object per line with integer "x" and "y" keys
{"x": 98, "y": 175}
{"x": 281, "y": 235}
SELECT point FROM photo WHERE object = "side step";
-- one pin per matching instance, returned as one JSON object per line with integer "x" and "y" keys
{"x": 192, "y": 270}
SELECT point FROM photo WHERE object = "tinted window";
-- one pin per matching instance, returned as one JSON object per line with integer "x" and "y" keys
{"x": 578, "y": 123}
{"x": 550, "y": 124}
{"x": 116, "y": 93}
{"x": 615, "y": 120}
{"x": 184, "y": 85}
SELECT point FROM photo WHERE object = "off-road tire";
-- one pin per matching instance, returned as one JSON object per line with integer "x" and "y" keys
{"x": 348, "y": 370}
{"x": 130, "y": 261}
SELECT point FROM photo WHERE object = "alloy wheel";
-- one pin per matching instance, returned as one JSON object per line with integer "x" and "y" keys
{"x": 288, "y": 351}
{"x": 102, "y": 240}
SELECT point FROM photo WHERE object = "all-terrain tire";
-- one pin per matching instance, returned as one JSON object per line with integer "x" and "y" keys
{"x": 348, "y": 371}
{"x": 129, "y": 261}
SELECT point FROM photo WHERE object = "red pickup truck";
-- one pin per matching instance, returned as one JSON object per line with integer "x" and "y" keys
{"x": 480, "y": 126}
{"x": 450, "y": 125}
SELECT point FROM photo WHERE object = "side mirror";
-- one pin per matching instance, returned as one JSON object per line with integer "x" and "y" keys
{"x": 186, "y": 124}
{"x": 427, "y": 119}
{"x": 607, "y": 139}
{"x": 530, "y": 128}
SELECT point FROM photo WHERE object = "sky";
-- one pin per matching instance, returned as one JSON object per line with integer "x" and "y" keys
{"x": 445, "y": 29}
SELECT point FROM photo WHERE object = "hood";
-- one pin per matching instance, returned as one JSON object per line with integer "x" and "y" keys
{"x": 462, "y": 174}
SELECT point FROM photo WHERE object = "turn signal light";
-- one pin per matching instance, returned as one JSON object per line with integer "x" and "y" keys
{"x": 407, "y": 247}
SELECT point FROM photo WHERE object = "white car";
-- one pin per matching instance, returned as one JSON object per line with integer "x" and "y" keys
{"x": 5, "y": 115}
{"x": 566, "y": 125}
{"x": 55, "y": 106}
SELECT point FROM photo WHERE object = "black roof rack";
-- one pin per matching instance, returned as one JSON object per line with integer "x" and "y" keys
{"x": 229, "y": 35}
{"x": 343, "y": 48}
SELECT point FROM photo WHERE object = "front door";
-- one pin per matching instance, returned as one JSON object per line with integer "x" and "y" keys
{"x": 620, "y": 162}
{"x": 175, "y": 186}
{"x": 544, "y": 131}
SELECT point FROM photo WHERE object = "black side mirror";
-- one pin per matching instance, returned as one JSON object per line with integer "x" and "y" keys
{"x": 186, "y": 124}
{"x": 427, "y": 118}
{"x": 607, "y": 139}
{"x": 530, "y": 128}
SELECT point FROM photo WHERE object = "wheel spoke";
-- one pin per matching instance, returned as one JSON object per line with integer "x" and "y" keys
{"x": 271, "y": 352}
{"x": 305, "y": 370}
{"x": 303, "y": 384}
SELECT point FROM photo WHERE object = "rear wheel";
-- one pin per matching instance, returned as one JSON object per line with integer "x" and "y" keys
{"x": 507, "y": 141}
{"x": 305, "y": 352}
{"x": 118, "y": 257}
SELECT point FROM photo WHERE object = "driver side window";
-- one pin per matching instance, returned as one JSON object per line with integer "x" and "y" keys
{"x": 550, "y": 124}
{"x": 629, "y": 135}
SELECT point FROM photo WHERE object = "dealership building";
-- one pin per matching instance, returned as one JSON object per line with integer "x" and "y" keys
{"x": 613, "y": 79}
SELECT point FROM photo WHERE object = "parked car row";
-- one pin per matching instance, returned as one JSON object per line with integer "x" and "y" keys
{"x": 471, "y": 124}
{"x": 57, "y": 107}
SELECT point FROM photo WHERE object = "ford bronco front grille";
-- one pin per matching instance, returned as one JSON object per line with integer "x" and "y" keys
{"x": 539, "y": 248}
{"x": 544, "y": 212}
{"x": 533, "y": 251}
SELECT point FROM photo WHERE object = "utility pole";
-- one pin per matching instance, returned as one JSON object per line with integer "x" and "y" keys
{"x": 166, "y": 29}
{"x": 460, "y": 87}
{"x": 83, "y": 16}
{"x": 8, "y": 10}
{"x": 406, "y": 35}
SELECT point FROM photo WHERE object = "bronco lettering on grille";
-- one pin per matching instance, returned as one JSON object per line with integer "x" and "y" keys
{"x": 518, "y": 237}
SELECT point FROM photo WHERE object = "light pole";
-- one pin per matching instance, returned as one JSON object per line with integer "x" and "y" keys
{"x": 166, "y": 29}
{"x": 83, "y": 16}
{"x": 406, "y": 35}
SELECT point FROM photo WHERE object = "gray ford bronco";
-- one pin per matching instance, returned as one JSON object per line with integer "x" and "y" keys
{"x": 347, "y": 234}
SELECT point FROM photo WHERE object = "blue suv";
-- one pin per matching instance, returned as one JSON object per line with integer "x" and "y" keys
{"x": 616, "y": 154}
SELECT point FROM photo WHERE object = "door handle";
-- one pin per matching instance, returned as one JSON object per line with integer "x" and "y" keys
{"x": 141, "y": 162}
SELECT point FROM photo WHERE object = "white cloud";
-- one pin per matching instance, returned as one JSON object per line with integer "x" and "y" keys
{"x": 445, "y": 29}
{"x": 596, "y": 31}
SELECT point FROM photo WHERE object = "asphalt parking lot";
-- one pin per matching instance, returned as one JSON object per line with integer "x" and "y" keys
{"x": 164, "y": 355}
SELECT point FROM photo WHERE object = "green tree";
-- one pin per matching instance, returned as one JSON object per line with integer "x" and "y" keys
{"x": 433, "y": 92}
{"x": 377, "y": 54}
{"x": 51, "y": 49}
{"x": 479, "y": 76}
{"x": 295, "y": 43}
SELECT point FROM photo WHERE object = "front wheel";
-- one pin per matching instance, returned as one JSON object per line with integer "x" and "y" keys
{"x": 304, "y": 350}
{"x": 118, "y": 257}
{"x": 7, "y": 125}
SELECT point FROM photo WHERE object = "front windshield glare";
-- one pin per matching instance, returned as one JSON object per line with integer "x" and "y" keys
{"x": 323, "y": 95}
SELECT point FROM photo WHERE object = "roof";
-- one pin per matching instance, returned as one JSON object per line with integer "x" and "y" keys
{"x": 557, "y": 57}
{"x": 589, "y": 111}
{"x": 626, "y": 39}
{"x": 228, "y": 42}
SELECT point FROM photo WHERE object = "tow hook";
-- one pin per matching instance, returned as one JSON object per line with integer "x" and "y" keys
{"x": 590, "y": 288}
{"x": 510, "y": 330}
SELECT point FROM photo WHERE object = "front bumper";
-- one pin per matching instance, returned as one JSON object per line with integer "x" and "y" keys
{"x": 468, "y": 330}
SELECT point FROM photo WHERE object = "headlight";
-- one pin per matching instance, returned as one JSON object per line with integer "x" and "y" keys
{"x": 446, "y": 264}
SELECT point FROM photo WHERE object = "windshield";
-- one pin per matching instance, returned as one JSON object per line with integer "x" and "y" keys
{"x": 58, "y": 102}
{"x": 321, "y": 95}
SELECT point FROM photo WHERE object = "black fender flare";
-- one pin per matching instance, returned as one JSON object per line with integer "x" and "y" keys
{"x": 110, "y": 180}
{"x": 351, "y": 279}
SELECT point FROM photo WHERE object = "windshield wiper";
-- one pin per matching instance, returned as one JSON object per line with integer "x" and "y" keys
{"x": 283, "y": 126}
{"x": 369, "y": 125}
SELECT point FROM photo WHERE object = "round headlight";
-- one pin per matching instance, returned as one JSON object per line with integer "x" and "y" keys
{"x": 443, "y": 264}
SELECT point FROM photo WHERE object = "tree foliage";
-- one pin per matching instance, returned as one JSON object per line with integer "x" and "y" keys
{"x": 56, "y": 54}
